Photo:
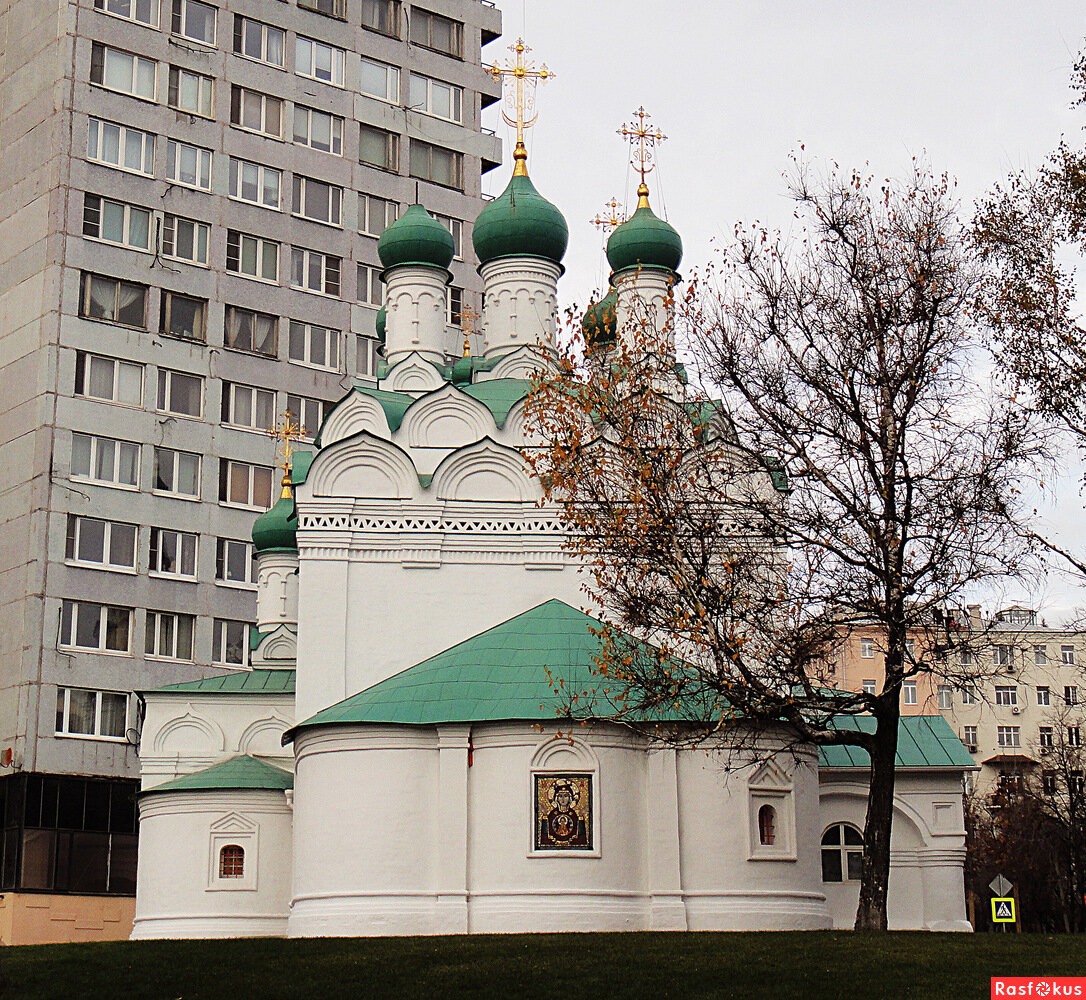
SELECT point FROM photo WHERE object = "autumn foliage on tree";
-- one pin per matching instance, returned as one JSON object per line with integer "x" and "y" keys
{"x": 833, "y": 463}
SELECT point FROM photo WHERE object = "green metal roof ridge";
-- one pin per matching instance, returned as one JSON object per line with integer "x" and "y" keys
{"x": 923, "y": 742}
{"x": 259, "y": 680}
{"x": 236, "y": 774}
{"x": 499, "y": 395}
{"x": 299, "y": 466}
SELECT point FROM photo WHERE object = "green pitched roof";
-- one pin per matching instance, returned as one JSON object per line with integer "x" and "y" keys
{"x": 299, "y": 466}
{"x": 257, "y": 681}
{"x": 922, "y": 741}
{"x": 238, "y": 773}
{"x": 500, "y": 395}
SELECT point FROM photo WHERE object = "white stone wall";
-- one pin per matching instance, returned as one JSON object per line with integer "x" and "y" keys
{"x": 520, "y": 304}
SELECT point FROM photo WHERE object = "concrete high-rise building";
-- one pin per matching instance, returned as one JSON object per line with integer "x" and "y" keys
{"x": 190, "y": 203}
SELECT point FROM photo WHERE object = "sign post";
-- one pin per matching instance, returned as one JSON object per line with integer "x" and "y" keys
{"x": 1004, "y": 905}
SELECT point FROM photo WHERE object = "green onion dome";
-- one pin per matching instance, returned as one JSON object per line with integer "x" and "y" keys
{"x": 644, "y": 240}
{"x": 416, "y": 237}
{"x": 520, "y": 222}
{"x": 277, "y": 529}
{"x": 380, "y": 323}
{"x": 600, "y": 323}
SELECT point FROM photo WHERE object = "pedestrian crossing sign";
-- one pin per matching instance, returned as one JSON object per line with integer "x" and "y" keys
{"x": 1003, "y": 910}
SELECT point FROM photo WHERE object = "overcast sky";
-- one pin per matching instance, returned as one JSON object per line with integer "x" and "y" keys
{"x": 979, "y": 88}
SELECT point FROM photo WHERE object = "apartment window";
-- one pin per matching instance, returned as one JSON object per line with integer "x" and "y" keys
{"x": 454, "y": 306}
{"x": 310, "y": 413}
{"x": 247, "y": 406}
{"x": 259, "y": 41}
{"x": 313, "y": 271}
{"x": 1074, "y": 736}
{"x": 100, "y": 715}
{"x": 121, "y": 146}
{"x": 252, "y": 256}
{"x": 108, "y": 379}
{"x": 188, "y": 165}
{"x": 123, "y": 71}
{"x": 1003, "y": 656}
{"x": 1044, "y": 736}
{"x": 1067, "y": 654}
{"x": 1006, "y": 695}
{"x": 370, "y": 289}
{"x": 1044, "y": 696}
{"x": 111, "y": 300}
{"x": 437, "y": 32}
{"x": 102, "y": 544}
{"x": 969, "y": 696}
{"x": 104, "y": 460}
{"x": 970, "y": 736}
{"x": 967, "y": 657}
{"x": 314, "y": 345}
{"x": 255, "y": 183}
{"x": 946, "y": 697}
{"x": 231, "y": 643}
{"x": 375, "y": 214}
{"x": 100, "y": 627}
{"x": 319, "y": 61}
{"x": 1076, "y": 783}
{"x": 1009, "y": 736}
{"x": 842, "y": 853}
{"x": 378, "y": 148}
{"x": 318, "y": 130}
{"x": 868, "y": 685}
{"x": 867, "y": 648}
{"x": 317, "y": 201}
{"x": 184, "y": 316}
{"x": 191, "y": 92}
{"x": 332, "y": 8}
{"x": 194, "y": 20}
{"x": 909, "y": 690}
{"x": 116, "y": 222}
{"x": 1070, "y": 694}
{"x": 234, "y": 562}
{"x": 434, "y": 97}
{"x": 177, "y": 472}
{"x": 382, "y": 16}
{"x": 367, "y": 357}
{"x": 169, "y": 635}
{"x": 910, "y": 650}
{"x": 1048, "y": 782}
{"x": 437, "y": 164}
{"x": 254, "y": 332}
{"x": 245, "y": 485}
{"x": 456, "y": 230}
{"x": 256, "y": 112}
{"x": 185, "y": 239}
{"x": 1040, "y": 656}
{"x": 140, "y": 11}
{"x": 173, "y": 553}
{"x": 380, "y": 80}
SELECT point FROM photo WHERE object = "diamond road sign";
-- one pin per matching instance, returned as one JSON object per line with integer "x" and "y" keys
{"x": 1003, "y": 911}
{"x": 1000, "y": 886}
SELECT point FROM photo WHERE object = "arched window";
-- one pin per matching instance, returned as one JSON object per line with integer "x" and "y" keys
{"x": 842, "y": 853}
{"x": 232, "y": 862}
{"x": 767, "y": 825}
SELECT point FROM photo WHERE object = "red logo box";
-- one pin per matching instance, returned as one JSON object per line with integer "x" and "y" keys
{"x": 1045, "y": 987}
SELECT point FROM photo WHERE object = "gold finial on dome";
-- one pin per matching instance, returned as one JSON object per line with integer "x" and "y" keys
{"x": 468, "y": 316}
{"x": 519, "y": 79}
{"x": 286, "y": 430}
{"x": 640, "y": 135}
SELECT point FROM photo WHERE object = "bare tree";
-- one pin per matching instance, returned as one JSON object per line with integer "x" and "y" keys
{"x": 851, "y": 471}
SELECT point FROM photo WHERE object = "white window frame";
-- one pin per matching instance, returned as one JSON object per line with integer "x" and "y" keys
{"x": 420, "y": 17}
{"x": 116, "y": 8}
{"x": 223, "y": 547}
{"x": 869, "y": 686}
{"x": 308, "y": 53}
{"x": 260, "y": 249}
{"x": 179, "y": 78}
{"x": 309, "y": 188}
{"x": 367, "y": 359}
{"x": 176, "y": 170}
{"x": 391, "y": 161}
{"x": 1003, "y": 655}
{"x": 84, "y": 361}
{"x": 867, "y": 647}
{"x": 230, "y": 333}
{"x": 1006, "y": 695}
{"x": 187, "y": 550}
{"x": 166, "y": 317}
{"x": 969, "y": 737}
{"x": 234, "y": 396}
{"x": 128, "y": 213}
{"x": 219, "y": 643}
{"x": 64, "y": 705}
{"x": 1040, "y": 656}
{"x": 163, "y": 629}
{"x": 946, "y": 697}
{"x": 843, "y": 851}
{"x": 369, "y": 276}
{"x": 908, "y": 692}
{"x": 389, "y": 91}
{"x": 69, "y": 641}
{"x": 237, "y": 99}
{"x": 164, "y": 400}
{"x": 87, "y": 278}
{"x": 141, "y": 69}
{"x": 1074, "y": 736}
{"x": 227, "y": 467}
{"x": 179, "y": 22}
{"x": 307, "y": 335}
{"x": 246, "y": 172}
{"x": 241, "y": 22}
{"x": 421, "y": 97}
{"x": 456, "y": 231}
{"x": 176, "y": 231}
{"x": 1045, "y": 736}
{"x": 454, "y": 306}
{"x": 303, "y": 260}
{"x": 1044, "y": 694}
{"x": 371, "y": 205}
{"x": 142, "y": 142}
{"x": 301, "y": 408}
{"x": 305, "y": 137}
{"x": 174, "y": 456}
{"x": 1070, "y": 694}
{"x": 247, "y": 844}
{"x": 1067, "y": 655}
{"x": 969, "y": 695}
{"x": 1008, "y": 737}
{"x": 76, "y": 527}
{"x": 96, "y": 443}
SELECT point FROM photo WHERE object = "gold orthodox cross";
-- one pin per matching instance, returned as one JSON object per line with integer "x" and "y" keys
{"x": 520, "y": 96}
{"x": 468, "y": 316}
{"x": 612, "y": 219}
{"x": 286, "y": 430}
{"x": 639, "y": 134}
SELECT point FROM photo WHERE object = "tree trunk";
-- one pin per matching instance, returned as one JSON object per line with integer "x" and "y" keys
{"x": 875, "y": 877}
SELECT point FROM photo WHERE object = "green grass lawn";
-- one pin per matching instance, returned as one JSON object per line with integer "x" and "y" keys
{"x": 811, "y": 966}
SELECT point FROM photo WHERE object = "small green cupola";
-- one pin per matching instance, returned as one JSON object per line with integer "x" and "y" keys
{"x": 380, "y": 323}
{"x": 600, "y": 324}
{"x": 416, "y": 237}
{"x": 645, "y": 240}
{"x": 520, "y": 222}
{"x": 276, "y": 530}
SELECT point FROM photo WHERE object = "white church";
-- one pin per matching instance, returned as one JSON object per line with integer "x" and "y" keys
{"x": 394, "y": 761}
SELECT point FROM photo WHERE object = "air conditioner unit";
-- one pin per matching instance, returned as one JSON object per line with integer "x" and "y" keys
{"x": 971, "y": 747}
{"x": 1044, "y": 751}
{"x": 1010, "y": 668}
{"x": 1016, "y": 710}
